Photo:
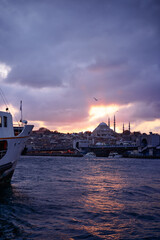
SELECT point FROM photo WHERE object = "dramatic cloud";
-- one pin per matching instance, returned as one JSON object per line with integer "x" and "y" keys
{"x": 57, "y": 56}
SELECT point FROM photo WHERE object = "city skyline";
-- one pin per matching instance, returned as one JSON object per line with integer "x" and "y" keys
{"x": 75, "y": 64}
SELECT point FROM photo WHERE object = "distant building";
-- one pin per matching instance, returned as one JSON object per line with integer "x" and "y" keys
{"x": 151, "y": 140}
{"x": 102, "y": 131}
{"x": 104, "y": 135}
{"x": 149, "y": 144}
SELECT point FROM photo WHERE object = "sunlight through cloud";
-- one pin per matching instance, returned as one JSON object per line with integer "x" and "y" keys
{"x": 96, "y": 112}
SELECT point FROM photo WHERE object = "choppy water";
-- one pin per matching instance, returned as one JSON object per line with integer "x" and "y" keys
{"x": 78, "y": 198}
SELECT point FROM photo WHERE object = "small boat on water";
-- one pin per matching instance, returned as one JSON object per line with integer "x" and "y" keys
{"x": 11, "y": 145}
{"x": 90, "y": 155}
{"x": 114, "y": 155}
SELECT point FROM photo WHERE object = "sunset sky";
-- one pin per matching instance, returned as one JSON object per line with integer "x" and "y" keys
{"x": 74, "y": 63}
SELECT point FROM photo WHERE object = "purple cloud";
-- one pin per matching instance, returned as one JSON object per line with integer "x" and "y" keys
{"x": 62, "y": 54}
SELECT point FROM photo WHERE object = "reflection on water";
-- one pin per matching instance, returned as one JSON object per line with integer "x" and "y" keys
{"x": 100, "y": 205}
{"x": 14, "y": 207}
{"x": 8, "y": 193}
{"x": 77, "y": 198}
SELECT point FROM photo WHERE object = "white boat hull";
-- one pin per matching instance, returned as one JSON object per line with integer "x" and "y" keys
{"x": 8, "y": 162}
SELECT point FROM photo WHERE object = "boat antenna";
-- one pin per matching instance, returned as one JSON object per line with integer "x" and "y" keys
{"x": 7, "y": 104}
{"x": 4, "y": 98}
{"x": 21, "y": 111}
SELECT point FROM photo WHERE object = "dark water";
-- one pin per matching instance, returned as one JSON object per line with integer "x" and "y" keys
{"x": 78, "y": 198}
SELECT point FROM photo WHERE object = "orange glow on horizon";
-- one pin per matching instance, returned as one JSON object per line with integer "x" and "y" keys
{"x": 145, "y": 127}
{"x": 96, "y": 115}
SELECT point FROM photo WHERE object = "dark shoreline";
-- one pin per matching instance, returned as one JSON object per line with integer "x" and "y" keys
{"x": 142, "y": 157}
{"x": 53, "y": 154}
{"x": 81, "y": 155}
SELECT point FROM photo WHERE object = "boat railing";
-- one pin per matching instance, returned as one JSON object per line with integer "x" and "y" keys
{"x": 17, "y": 129}
{"x": 17, "y": 125}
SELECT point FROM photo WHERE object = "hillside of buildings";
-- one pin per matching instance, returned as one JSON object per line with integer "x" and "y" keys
{"x": 44, "y": 139}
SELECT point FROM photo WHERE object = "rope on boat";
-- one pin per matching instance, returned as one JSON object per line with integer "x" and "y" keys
{"x": 7, "y": 104}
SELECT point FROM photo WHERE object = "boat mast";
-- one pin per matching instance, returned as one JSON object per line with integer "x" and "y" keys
{"x": 21, "y": 111}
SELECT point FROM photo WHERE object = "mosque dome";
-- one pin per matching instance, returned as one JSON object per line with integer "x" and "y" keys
{"x": 102, "y": 124}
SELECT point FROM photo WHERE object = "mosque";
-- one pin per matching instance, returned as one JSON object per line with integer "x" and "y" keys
{"x": 103, "y": 133}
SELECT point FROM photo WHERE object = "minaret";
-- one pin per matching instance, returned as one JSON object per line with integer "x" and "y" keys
{"x": 129, "y": 127}
{"x": 114, "y": 123}
{"x": 109, "y": 122}
{"x": 123, "y": 127}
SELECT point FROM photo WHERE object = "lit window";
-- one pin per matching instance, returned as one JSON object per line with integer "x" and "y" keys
{"x": 0, "y": 121}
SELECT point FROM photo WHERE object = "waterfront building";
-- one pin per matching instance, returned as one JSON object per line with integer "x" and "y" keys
{"x": 149, "y": 144}
{"x": 151, "y": 140}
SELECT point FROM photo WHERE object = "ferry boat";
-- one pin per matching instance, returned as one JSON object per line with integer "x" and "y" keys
{"x": 11, "y": 145}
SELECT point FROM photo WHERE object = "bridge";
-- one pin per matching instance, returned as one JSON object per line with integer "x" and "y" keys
{"x": 104, "y": 150}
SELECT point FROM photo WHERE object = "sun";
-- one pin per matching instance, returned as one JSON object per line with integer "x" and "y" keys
{"x": 100, "y": 111}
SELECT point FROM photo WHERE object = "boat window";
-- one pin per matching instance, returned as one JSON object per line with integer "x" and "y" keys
{"x": 0, "y": 121}
{"x": 3, "y": 148}
{"x": 5, "y": 121}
